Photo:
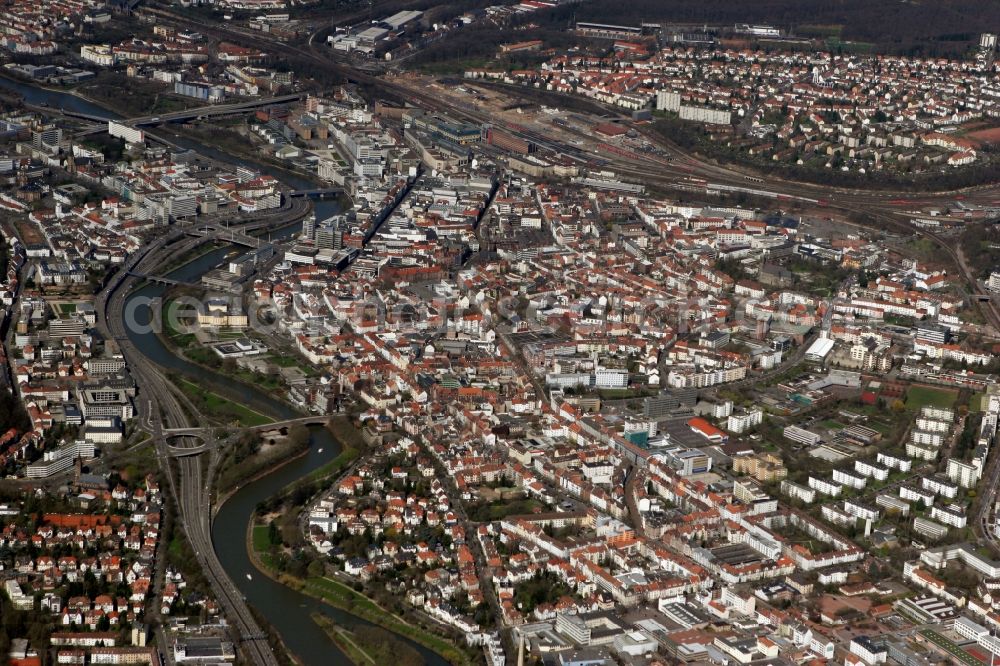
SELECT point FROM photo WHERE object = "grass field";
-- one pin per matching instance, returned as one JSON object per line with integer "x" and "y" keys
{"x": 348, "y": 455}
{"x": 919, "y": 396}
{"x": 283, "y": 361}
{"x": 261, "y": 542}
{"x": 882, "y": 428}
{"x": 849, "y": 47}
{"x": 28, "y": 231}
{"x": 832, "y": 425}
{"x": 343, "y": 640}
{"x": 501, "y": 509}
{"x": 216, "y": 405}
{"x": 342, "y": 596}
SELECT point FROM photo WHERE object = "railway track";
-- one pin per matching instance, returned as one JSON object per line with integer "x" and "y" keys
{"x": 191, "y": 486}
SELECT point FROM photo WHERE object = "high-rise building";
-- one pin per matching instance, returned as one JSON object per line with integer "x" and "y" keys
{"x": 46, "y": 135}
{"x": 329, "y": 234}
{"x": 308, "y": 227}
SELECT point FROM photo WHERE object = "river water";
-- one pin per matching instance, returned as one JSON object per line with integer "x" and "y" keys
{"x": 67, "y": 101}
{"x": 288, "y": 611}
{"x": 285, "y": 609}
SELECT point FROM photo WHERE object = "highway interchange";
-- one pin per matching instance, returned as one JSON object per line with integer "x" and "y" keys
{"x": 162, "y": 407}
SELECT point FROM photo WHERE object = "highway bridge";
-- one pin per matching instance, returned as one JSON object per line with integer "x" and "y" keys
{"x": 206, "y": 434}
{"x": 212, "y": 111}
{"x": 197, "y": 113}
{"x": 315, "y": 420}
{"x": 229, "y": 235}
{"x": 184, "y": 452}
{"x": 159, "y": 279}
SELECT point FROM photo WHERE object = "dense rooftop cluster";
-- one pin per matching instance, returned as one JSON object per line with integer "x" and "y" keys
{"x": 860, "y": 112}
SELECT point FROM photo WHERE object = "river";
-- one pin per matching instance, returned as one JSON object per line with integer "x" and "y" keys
{"x": 287, "y": 610}
{"x": 57, "y": 99}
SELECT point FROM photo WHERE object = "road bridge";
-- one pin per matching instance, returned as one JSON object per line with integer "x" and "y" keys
{"x": 229, "y": 235}
{"x": 86, "y": 116}
{"x": 184, "y": 115}
{"x": 212, "y": 110}
{"x": 318, "y": 193}
{"x": 159, "y": 279}
{"x": 184, "y": 451}
{"x": 315, "y": 420}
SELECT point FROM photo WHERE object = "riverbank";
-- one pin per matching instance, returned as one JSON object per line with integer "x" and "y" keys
{"x": 329, "y": 590}
{"x": 346, "y": 644}
{"x": 263, "y": 468}
{"x": 248, "y": 458}
{"x": 209, "y": 402}
{"x": 261, "y": 472}
{"x": 357, "y": 604}
{"x": 228, "y": 141}
{"x": 5, "y": 74}
{"x": 185, "y": 346}
{"x": 369, "y": 645}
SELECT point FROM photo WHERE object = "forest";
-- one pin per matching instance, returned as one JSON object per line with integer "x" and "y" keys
{"x": 981, "y": 247}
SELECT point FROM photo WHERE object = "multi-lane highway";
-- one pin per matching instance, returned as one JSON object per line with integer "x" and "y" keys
{"x": 887, "y": 209}
{"x": 162, "y": 408}
{"x": 161, "y": 404}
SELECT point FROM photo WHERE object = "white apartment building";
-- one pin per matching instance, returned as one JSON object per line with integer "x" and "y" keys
{"x": 739, "y": 423}
{"x": 845, "y": 478}
{"x": 894, "y": 462}
{"x": 868, "y": 651}
{"x": 932, "y": 425}
{"x": 871, "y": 470}
{"x": 921, "y": 451}
{"x": 860, "y": 510}
{"x": 951, "y": 516}
{"x": 801, "y": 435}
{"x": 798, "y": 491}
{"x": 939, "y": 486}
{"x": 825, "y": 487}
{"x": 964, "y": 474}
{"x": 915, "y": 494}
{"x": 927, "y": 438}
{"x": 892, "y": 503}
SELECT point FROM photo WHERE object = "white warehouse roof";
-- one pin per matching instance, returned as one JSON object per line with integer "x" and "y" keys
{"x": 401, "y": 18}
{"x": 820, "y": 348}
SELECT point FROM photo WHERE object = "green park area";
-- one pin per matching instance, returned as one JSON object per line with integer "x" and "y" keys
{"x": 342, "y": 596}
{"x": 223, "y": 408}
{"x": 921, "y": 396}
